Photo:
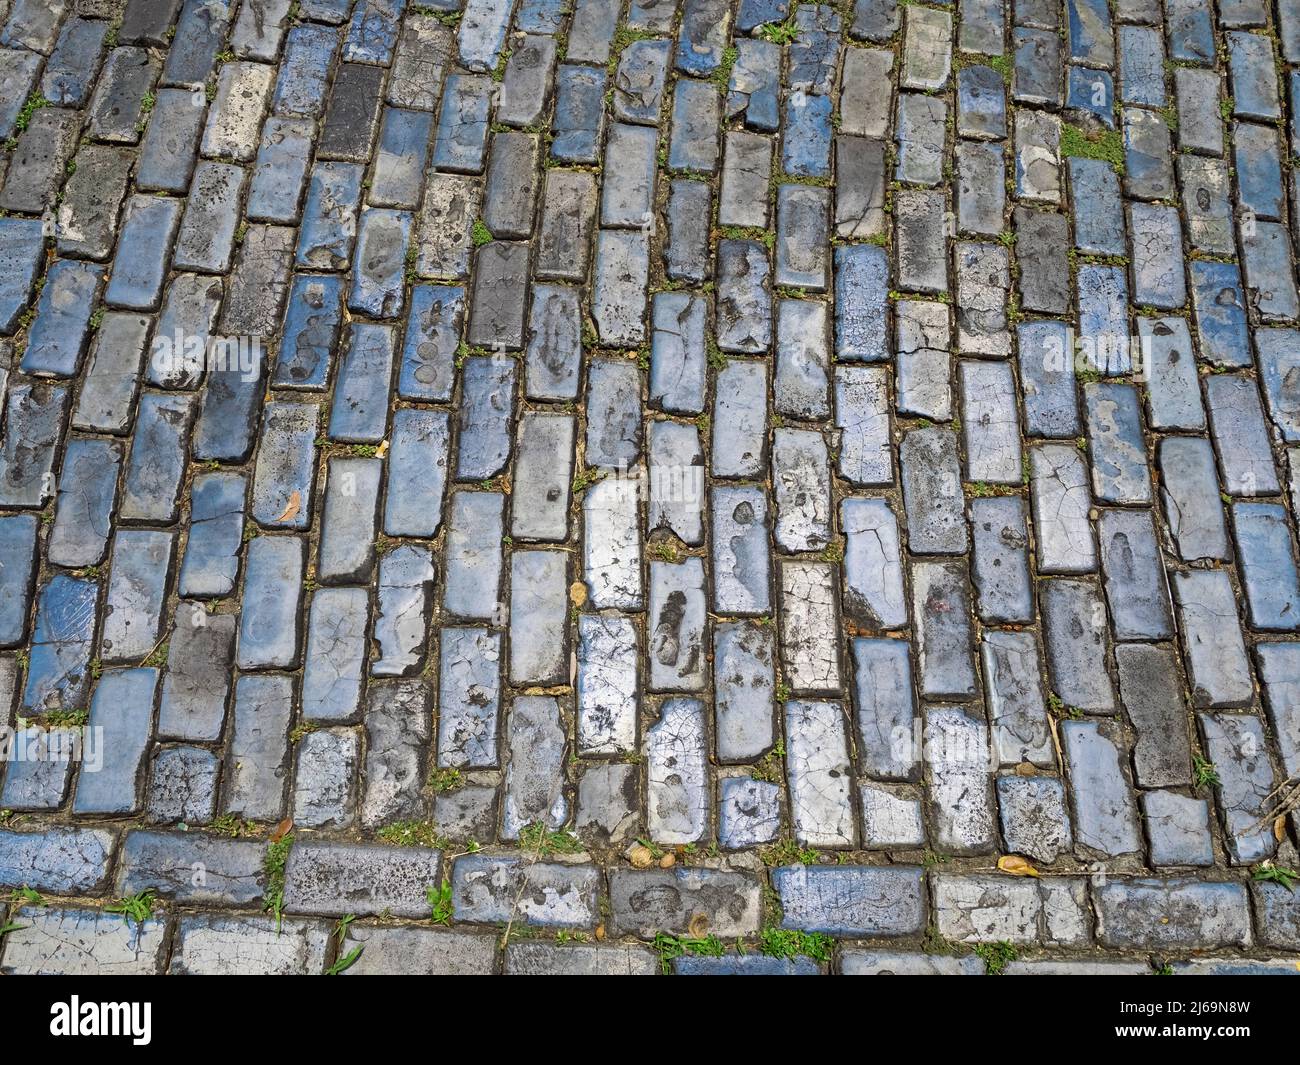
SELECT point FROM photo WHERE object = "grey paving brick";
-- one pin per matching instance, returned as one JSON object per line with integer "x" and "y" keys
{"x": 257, "y": 771}
{"x": 568, "y": 215}
{"x": 753, "y": 89}
{"x": 677, "y": 795}
{"x": 1240, "y": 435}
{"x": 647, "y": 901}
{"x": 677, "y": 638}
{"x": 1001, "y": 563}
{"x": 489, "y": 889}
{"x": 873, "y": 571}
{"x": 744, "y": 690}
{"x": 606, "y": 689}
{"x": 527, "y": 84}
{"x": 1076, "y": 641}
{"x": 851, "y": 900}
{"x": 73, "y": 942}
{"x": 932, "y": 492}
{"x": 212, "y": 944}
{"x": 352, "y": 114}
{"x": 676, "y": 481}
{"x": 941, "y": 613}
{"x": 1277, "y": 673}
{"x": 1172, "y": 914}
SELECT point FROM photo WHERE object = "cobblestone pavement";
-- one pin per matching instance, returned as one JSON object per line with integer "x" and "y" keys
{"x": 694, "y": 486}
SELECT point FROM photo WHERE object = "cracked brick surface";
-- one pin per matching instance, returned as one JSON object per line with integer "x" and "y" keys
{"x": 573, "y": 483}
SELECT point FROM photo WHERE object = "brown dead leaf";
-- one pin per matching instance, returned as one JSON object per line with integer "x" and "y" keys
{"x": 1279, "y": 828}
{"x": 284, "y": 827}
{"x": 699, "y": 925}
{"x": 578, "y": 593}
{"x": 382, "y": 449}
{"x": 1026, "y": 769}
{"x": 1014, "y": 865}
{"x": 292, "y": 508}
{"x": 640, "y": 857}
{"x": 600, "y": 932}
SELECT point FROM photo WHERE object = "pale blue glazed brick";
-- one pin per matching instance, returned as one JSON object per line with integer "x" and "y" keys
{"x": 1220, "y": 313}
{"x": 483, "y": 32}
{"x": 417, "y": 472}
{"x": 861, "y": 301}
{"x": 372, "y": 33}
{"x": 1093, "y": 92}
{"x": 148, "y": 228}
{"x": 22, "y": 249}
{"x": 678, "y": 367}
{"x": 74, "y": 64}
{"x": 806, "y": 146}
{"x": 334, "y": 663}
{"x": 211, "y": 563}
{"x": 269, "y": 621}
{"x": 329, "y": 221}
{"x": 1141, "y": 66}
{"x": 280, "y": 171}
{"x": 1090, "y": 34}
{"x": 360, "y": 411}
{"x": 379, "y": 263}
{"x": 486, "y": 414}
{"x": 463, "y": 124}
{"x": 286, "y": 464}
{"x": 1259, "y": 169}
{"x": 1268, "y": 566}
{"x": 18, "y": 558}
{"x": 57, "y": 339}
{"x": 1098, "y": 210}
{"x": 1254, "y": 76}
{"x": 304, "y": 71}
{"x": 434, "y": 322}
{"x": 703, "y": 36}
{"x": 849, "y": 900}
{"x": 579, "y": 121}
{"x": 1191, "y": 31}
{"x": 87, "y": 492}
{"x": 311, "y": 332}
{"x": 399, "y": 159}
{"x": 58, "y": 671}
{"x": 123, "y": 708}
{"x": 151, "y": 488}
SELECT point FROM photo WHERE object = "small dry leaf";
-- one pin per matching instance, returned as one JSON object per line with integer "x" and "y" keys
{"x": 293, "y": 507}
{"x": 1026, "y": 769}
{"x": 382, "y": 449}
{"x": 1015, "y": 865}
{"x": 640, "y": 856}
{"x": 668, "y": 860}
{"x": 1279, "y": 828}
{"x": 699, "y": 925}
{"x": 578, "y": 593}
{"x": 284, "y": 827}
{"x": 600, "y": 932}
